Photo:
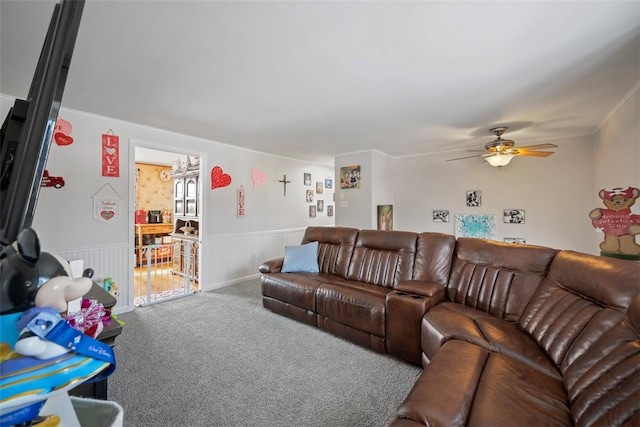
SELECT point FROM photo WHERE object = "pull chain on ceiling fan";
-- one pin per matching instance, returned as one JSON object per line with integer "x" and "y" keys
{"x": 499, "y": 152}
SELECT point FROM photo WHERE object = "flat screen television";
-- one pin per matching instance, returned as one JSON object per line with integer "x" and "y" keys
{"x": 25, "y": 136}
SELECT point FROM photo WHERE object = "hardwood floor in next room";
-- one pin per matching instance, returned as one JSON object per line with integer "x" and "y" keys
{"x": 160, "y": 280}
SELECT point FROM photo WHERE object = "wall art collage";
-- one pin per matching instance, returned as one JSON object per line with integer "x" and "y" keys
{"x": 314, "y": 195}
{"x": 480, "y": 225}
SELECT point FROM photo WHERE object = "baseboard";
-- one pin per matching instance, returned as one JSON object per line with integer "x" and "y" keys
{"x": 229, "y": 282}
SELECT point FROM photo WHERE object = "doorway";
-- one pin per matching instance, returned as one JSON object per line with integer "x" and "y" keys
{"x": 166, "y": 242}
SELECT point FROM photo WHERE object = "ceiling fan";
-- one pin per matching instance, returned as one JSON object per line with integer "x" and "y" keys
{"x": 499, "y": 152}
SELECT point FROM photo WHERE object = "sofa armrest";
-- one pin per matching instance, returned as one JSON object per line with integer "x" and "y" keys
{"x": 424, "y": 288}
{"x": 405, "y": 306}
{"x": 271, "y": 266}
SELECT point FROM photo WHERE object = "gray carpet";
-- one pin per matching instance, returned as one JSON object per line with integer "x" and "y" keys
{"x": 220, "y": 359}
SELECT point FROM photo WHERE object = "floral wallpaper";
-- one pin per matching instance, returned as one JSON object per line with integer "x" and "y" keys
{"x": 151, "y": 192}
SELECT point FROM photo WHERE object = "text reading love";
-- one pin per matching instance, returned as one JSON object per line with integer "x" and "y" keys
{"x": 110, "y": 155}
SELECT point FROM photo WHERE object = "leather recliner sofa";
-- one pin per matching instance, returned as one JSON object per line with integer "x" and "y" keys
{"x": 507, "y": 334}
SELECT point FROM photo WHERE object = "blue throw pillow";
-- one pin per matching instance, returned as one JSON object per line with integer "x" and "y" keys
{"x": 303, "y": 258}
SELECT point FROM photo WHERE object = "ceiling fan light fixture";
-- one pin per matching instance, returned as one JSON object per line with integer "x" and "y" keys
{"x": 499, "y": 160}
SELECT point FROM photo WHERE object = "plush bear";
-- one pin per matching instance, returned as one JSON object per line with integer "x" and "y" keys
{"x": 619, "y": 225}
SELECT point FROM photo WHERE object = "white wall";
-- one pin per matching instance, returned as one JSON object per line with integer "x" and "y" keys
{"x": 65, "y": 224}
{"x": 553, "y": 191}
{"x": 376, "y": 188}
{"x": 353, "y": 205}
{"x": 382, "y": 180}
{"x": 617, "y": 152}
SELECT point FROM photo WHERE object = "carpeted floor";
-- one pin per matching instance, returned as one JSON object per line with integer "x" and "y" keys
{"x": 220, "y": 359}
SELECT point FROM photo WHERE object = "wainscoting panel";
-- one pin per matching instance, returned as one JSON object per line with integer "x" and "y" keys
{"x": 225, "y": 260}
{"x": 232, "y": 258}
{"x": 106, "y": 262}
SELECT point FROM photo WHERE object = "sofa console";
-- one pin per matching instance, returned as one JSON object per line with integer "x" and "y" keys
{"x": 507, "y": 334}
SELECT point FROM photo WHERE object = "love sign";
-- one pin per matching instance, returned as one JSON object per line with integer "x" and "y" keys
{"x": 219, "y": 178}
{"x": 110, "y": 155}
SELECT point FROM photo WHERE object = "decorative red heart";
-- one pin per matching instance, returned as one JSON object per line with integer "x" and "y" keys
{"x": 219, "y": 178}
{"x": 107, "y": 215}
{"x": 62, "y": 139}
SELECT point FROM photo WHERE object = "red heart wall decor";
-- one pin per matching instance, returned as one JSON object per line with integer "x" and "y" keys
{"x": 219, "y": 178}
{"x": 62, "y": 139}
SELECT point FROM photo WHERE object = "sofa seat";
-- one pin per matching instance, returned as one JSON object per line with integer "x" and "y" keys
{"x": 447, "y": 321}
{"x": 298, "y": 289}
{"x": 466, "y": 385}
{"x": 355, "y": 304}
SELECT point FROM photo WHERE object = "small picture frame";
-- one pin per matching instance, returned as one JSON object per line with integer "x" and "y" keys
{"x": 440, "y": 215}
{"x": 350, "y": 177}
{"x": 307, "y": 179}
{"x": 328, "y": 183}
{"x": 312, "y": 211}
{"x": 329, "y": 210}
{"x": 320, "y": 205}
{"x": 474, "y": 198}
{"x": 309, "y": 196}
{"x": 513, "y": 216}
{"x": 319, "y": 187}
{"x": 516, "y": 240}
{"x": 385, "y": 217}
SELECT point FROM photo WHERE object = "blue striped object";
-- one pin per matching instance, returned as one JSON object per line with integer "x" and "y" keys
{"x": 303, "y": 258}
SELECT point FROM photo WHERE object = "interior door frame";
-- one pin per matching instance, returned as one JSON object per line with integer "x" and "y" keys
{"x": 202, "y": 200}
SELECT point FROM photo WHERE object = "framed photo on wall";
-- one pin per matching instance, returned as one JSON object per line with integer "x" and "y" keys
{"x": 309, "y": 196}
{"x": 328, "y": 183}
{"x": 319, "y": 187}
{"x": 350, "y": 177}
{"x": 481, "y": 226}
{"x": 312, "y": 211}
{"x": 320, "y": 205}
{"x": 385, "y": 217}
{"x": 513, "y": 216}
{"x": 329, "y": 210}
{"x": 307, "y": 179}
{"x": 440, "y": 215}
{"x": 520, "y": 240}
{"x": 474, "y": 198}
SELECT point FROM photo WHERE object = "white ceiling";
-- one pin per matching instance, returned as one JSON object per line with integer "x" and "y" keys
{"x": 313, "y": 79}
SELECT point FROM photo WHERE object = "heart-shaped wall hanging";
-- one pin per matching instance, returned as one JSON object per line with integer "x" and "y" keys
{"x": 107, "y": 215}
{"x": 258, "y": 177}
{"x": 62, "y": 139}
{"x": 63, "y": 126}
{"x": 219, "y": 178}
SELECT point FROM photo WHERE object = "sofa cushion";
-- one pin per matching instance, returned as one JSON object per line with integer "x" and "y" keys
{"x": 302, "y": 258}
{"x": 357, "y": 305}
{"x": 298, "y": 289}
{"x": 579, "y": 316}
{"x": 495, "y": 277}
{"x": 383, "y": 258}
{"x": 335, "y": 247}
{"x": 465, "y": 384}
{"x": 578, "y": 302}
{"x": 447, "y": 321}
{"x": 434, "y": 253}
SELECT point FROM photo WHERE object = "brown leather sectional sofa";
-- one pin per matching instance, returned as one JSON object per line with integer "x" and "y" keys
{"x": 508, "y": 335}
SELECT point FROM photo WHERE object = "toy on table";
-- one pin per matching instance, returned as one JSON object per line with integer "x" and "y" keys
{"x": 49, "y": 356}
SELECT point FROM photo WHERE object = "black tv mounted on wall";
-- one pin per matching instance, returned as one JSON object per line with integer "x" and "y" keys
{"x": 25, "y": 137}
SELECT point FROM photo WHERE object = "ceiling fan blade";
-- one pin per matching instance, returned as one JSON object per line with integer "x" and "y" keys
{"x": 521, "y": 152}
{"x": 537, "y": 147}
{"x": 467, "y": 157}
